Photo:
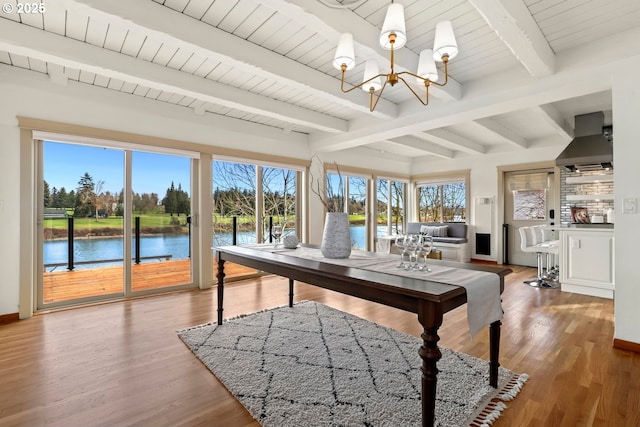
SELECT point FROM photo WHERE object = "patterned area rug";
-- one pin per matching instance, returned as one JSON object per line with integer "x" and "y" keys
{"x": 312, "y": 365}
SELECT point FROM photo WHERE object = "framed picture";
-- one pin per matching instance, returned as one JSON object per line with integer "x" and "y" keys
{"x": 579, "y": 215}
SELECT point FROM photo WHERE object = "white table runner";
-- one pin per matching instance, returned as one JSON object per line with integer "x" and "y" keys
{"x": 484, "y": 305}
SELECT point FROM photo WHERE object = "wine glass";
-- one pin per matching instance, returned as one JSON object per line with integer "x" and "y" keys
{"x": 276, "y": 232}
{"x": 400, "y": 244}
{"x": 412, "y": 245}
{"x": 425, "y": 247}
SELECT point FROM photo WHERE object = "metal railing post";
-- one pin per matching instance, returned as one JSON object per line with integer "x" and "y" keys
{"x": 70, "y": 266}
{"x": 137, "y": 240}
{"x": 234, "y": 231}
{"x": 189, "y": 225}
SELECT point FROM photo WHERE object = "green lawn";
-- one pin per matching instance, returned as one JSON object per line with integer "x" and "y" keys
{"x": 112, "y": 222}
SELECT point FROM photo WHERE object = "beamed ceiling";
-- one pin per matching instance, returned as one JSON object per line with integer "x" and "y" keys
{"x": 525, "y": 68}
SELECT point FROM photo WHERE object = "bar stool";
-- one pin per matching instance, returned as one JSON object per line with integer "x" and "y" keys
{"x": 531, "y": 241}
{"x": 552, "y": 271}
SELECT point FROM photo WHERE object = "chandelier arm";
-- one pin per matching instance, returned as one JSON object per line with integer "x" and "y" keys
{"x": 360, "y": 85}
{"x": 426, "y": 101}
{"x": 372, "y": 105}
{"x": 445, "y": 60}
{"x": 446, "y": 77}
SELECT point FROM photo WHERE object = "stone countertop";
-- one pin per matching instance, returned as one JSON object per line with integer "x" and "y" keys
{"x": 606, "y": 226}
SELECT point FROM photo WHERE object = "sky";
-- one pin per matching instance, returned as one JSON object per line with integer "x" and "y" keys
{"x": 65, "y": 164}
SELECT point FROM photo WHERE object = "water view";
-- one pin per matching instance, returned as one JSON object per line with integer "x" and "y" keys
{"x": 175, "y": 246}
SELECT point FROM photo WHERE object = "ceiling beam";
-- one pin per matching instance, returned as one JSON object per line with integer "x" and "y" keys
{"x": 424, "y": 146}
{"x": 552, "y": 118}
{"x": 447, "y": 138}
{"x": 513, "y": 23}
{"x": 63, "y": 51}
{"x": 229, "y": 132}
{"x": 501, "y": 132}
{"x": 333, "y": 22}
{"x": 500, "y": 93}
{"x": 151, "y": 19}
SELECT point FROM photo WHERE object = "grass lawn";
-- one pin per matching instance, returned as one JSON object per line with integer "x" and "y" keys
{"x": 112, "y": 222}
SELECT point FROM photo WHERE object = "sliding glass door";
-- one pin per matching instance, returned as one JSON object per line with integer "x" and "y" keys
{"x": 161, "y": 220}
{"x": 82, "y": 223}
{"x": 89, "y": 196}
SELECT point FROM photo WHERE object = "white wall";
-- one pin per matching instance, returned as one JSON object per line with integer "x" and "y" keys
{"x": 626, "y": 110}
{"x": 9, "y": 218}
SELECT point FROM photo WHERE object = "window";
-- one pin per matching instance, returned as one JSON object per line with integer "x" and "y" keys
{"x": 249, "y": 199}
{"x": 529, "y": 204}
{"x": 280, "y": 204}
{"x": 529, "y": 196}
{"x": 442, "y": 199}
{"x": 234, "y": 203}
{"x": 357, "y": 192}
{"x": 355, "y": 203}
{"x": 390, "y": 199}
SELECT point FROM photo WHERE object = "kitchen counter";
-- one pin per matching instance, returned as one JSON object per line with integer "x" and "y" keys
{"x": 586, "y": 259}
{"x": 598, "y": 225}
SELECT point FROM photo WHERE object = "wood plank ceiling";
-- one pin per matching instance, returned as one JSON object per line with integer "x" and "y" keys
{"x": 269, "y": 63}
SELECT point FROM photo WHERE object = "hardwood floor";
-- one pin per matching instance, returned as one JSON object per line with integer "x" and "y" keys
{"x": 121, "y": 364}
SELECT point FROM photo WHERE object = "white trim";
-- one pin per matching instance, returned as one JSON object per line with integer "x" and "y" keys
{"x": 256, "y": 162}
{"x": 87, "y": 140}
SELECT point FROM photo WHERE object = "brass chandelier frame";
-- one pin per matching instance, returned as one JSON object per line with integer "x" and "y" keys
{"x": 392, "y": 78}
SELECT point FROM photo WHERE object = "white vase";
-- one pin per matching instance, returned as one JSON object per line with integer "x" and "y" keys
{"x": 336, "y": 237}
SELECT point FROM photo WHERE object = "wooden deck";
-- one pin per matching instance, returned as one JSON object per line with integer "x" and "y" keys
{"x": 66, "y": 285}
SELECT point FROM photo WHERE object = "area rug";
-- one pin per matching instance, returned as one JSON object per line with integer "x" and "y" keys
{"x": 312, "y": 365}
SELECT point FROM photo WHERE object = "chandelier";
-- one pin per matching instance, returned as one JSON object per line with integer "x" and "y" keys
{"x": 392, "y": 37}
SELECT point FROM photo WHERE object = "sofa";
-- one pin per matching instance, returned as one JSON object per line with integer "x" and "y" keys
{"x": 451, "y": 238}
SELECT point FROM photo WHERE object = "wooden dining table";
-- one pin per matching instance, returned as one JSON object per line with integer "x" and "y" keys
{"x": 428, "y": 299}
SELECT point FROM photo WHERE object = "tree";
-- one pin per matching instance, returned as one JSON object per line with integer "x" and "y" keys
{"x": 183, "y": 201}
{"x": 85, "y": 195}
{"x": 176, "y": 200}
{"x": 46, "y": 195}
{"x": 237, "y": 184}
{"x": 442, "y": 202}
{"x": 170, "y": 200}
{"x": 278, "y": 188}
{"x": 397, "y": 204}
{"x": 99, "y": 198}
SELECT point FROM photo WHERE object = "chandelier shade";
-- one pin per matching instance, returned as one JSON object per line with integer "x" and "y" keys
{"x": 371, "y": 78}
{"x": 345, "y": 53}
{"x": 427, "y": 67}
{"x": 393, "y": 24}
{"x": 444, "y": 43}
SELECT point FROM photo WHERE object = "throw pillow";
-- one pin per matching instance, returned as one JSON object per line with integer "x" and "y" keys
{"x": 434, "y": 230}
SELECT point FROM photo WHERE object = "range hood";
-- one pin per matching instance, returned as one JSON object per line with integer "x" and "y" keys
{"x": 590, "y": 149}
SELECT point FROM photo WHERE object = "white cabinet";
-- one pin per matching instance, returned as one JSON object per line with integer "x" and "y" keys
{"x": 586, "y": 261}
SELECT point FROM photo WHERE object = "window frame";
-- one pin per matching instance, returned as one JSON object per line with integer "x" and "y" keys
{"x": 461, "y": 176}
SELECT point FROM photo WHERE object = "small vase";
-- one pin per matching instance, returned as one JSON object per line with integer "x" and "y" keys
{"x": 336, "y": 237}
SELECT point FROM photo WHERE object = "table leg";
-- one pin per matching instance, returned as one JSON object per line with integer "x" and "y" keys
{"x": 430, "y": 317}
{"x": 290, "y": 292}
{"x": 220, "y": 277}
{"x": 494, "y": 353}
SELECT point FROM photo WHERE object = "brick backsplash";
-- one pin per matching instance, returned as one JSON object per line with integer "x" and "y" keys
{"x": 593, "y": 206}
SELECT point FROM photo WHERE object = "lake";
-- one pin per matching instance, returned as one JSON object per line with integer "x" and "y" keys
{"x": 176, "y": 245}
